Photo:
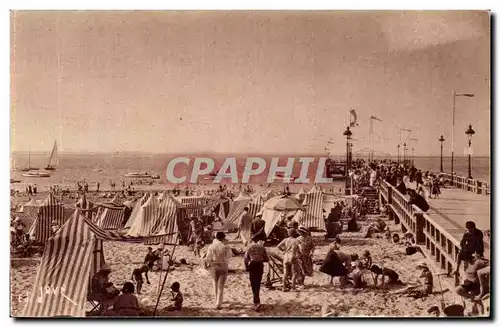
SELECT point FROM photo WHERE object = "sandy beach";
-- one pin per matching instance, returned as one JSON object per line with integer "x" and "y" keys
{"x": 308, "y": 302}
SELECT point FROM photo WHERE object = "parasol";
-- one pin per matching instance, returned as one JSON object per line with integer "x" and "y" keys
{"x": 283, "y": 203}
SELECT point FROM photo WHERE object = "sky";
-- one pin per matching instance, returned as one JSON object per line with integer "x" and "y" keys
{"x": 257, "y": 82}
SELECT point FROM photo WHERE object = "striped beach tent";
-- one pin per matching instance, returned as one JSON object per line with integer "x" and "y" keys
{"x": 193, "y": 204}
{"x": 236, "y": 211}
{"x": 111, "y": 217}
{"x": 136, "y": 210}
{"x": 301, "y": 195}
{"x": 49, "y": 211}
{"x": 144, "y": 222}
{"x": 313, "y": 215}
{"x": 116, "y": 201}
{"x": 70, "y": 259}
{"x": 85, "y": 204}
{"x": 255, "y": 205}
{"x": 166, "y": 222}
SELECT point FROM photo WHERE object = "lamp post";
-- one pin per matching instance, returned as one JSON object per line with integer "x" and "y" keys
{"x": 468, "y": 95}
{"x": 469, "y": 133}
{"x": 347, "y": 134}
{"x": 398, "y": 152}
{"x": 404, "y": 153}
{"x": 412, "y": 156}
{"x": 441, "y": 139}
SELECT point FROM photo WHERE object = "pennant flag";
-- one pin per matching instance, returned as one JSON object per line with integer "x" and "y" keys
{"x": 353, "y": 119}
{"x": 375, "y": 118}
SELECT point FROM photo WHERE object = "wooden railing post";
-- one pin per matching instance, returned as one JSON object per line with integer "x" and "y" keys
{"x": 420, "y": 227}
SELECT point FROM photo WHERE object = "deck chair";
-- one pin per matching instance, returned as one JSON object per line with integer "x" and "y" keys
{"x": 274, "y": 272}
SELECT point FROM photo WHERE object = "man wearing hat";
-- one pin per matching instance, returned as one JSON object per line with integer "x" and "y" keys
{"x": 102, "y": 290}
{"x": 306, "y": 245}
{"x": 257, "y": 227}
{"x": 255, "y": 257}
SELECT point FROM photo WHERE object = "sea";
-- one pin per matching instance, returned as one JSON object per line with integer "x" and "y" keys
{"x": 112, "y": 167}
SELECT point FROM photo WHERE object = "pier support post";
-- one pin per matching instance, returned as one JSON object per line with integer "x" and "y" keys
{"x": 420, "y": 222}
{"x": 389, "y": 195}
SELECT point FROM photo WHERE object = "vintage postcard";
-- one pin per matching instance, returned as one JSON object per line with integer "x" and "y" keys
{"x": 250, "y": 164}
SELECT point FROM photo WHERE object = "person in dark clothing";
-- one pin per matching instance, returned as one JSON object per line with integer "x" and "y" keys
{"x": 137, "y": 277}
{"x": 149, "y": 260}
{"x": 257, "y": 228}
{"x": 418, "y": 200}
{"x": 392, "y": 276}
{"x": 332, "y": 265}
{"x": 418, "y": 178}
{"x": 254, "y": 260}
{"x": 472, "y": 242}
{"x": 401, "y": 186}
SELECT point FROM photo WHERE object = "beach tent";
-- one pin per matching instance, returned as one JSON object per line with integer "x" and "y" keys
{"x": 84, "y": 204}
{"x": 165, "y": 218}
{"x": 136, "y": 210}
{"x": 71, "y": 257}
{"x": 27, "y": 218}
{"x": 277, "y": 208}
{"x": 115, "y": 201}
{"x": 49, "y": 211}
{"x": 301, "y": 195}
{"x": 313, "y": 214}
{"x": 144, "y": 222}
{"x": 111, "y": 217}
{"x": 233, "y": 218}
{"x": 256, "y": 205}
{"x": 194, "y": 204}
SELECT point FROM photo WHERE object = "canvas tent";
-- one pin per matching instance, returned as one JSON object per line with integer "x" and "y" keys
{"x": 312, "y": 217}
{"x": 49, "y": 211}
{"x": 71, "y": 258}
{"x": 31, "y": 207}
{"x": 165, "y": 219}
{"x": 144, "y": 221}
{"x": 136, "y": 210}
{"x": 278, "y": 208}
{"x": 111, "y": 217}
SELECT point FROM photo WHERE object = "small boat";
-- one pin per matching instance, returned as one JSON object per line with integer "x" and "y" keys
{"x": 138, "y": 175}
{"x": 155, "y": 176}
{"x": 54, "y": 158}
{"x": 29, "y": 168}
{"x": 36, "y": 173}
{"x": 98, "y": 169}
{"x": 12, "y": 181}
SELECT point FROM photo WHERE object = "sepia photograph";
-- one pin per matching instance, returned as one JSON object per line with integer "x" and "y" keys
{"x": 250, "y": 164}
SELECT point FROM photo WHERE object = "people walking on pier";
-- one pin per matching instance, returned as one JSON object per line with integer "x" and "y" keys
{"x": 472, "y": 242}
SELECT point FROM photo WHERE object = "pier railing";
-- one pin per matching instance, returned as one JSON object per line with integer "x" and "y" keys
{"x": 471, "y": 185}
{"x": 436, "y": 243}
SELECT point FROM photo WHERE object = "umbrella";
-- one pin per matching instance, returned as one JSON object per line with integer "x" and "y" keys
{"x": 283, "y": 203}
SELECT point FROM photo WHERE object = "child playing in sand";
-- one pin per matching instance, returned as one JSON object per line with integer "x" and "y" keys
{"x": 177, "y": 297}
{"x": 392, "y": 276}
{"x": 137, "y": 277}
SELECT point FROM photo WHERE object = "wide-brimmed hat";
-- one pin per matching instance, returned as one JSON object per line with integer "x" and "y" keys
{"x": 105, "y": 268}
{"x": 423, "y": 265}
{"x": 302, "y": 230}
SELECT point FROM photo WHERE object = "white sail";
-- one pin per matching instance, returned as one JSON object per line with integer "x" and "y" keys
{"x": 54, "y": 157}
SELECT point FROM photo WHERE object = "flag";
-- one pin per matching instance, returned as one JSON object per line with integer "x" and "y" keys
{"x": 375, "y": 118}
{"x": 353, "y": 119}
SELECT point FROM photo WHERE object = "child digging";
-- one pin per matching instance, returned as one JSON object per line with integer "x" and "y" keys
{"x": 177, "y": 297}
{"x": 137, "y": 277}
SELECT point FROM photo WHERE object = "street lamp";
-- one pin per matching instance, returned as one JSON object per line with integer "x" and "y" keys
{"x": 404, "y": 153}
{"x": 398, "y": 152}
{"x": 347, "y": 134}
{"x": 468, "y": 95}
{"x": 469, "y": 133}
{"x": 441, "y": 139}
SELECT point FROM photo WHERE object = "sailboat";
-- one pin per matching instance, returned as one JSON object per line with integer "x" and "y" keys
{"x": 54, "y": 158}
{"x": 29, "y": 164}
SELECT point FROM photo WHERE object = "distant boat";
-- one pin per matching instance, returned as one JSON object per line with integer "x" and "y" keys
{"x": 36, "y": 173}
{"x": 29, "y": 168}
{"x": 54, "y": 158}
{"x": 98, "y": 169}
{"x": 12, "y": 181}
{"x": 138, "y": 175}
{"x": 155, "y": 176}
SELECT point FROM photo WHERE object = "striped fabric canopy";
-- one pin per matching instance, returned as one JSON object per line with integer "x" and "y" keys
{"x": 31, "y": 207}
{"x": 255, "y": 205}
{"x": 313, "y": 215}
{"x": 136, "y": 210}
{"x": 193, "y": 204}
{"x": 49, "y": 211}
{"x": 70, "y": 259}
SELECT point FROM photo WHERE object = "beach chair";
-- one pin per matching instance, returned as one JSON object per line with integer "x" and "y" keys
{"x": 274, "y": 272}
{"x": 96, "y": 306}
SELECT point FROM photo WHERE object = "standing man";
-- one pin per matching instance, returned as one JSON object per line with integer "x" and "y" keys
{"x": 257, "y": 227}
{"x": 472, "y": 242}
{"x": 255, "y": 257}
{"x": 217, "y": 260}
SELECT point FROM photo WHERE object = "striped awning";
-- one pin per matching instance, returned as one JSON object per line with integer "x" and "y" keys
{"x": 49, "y": 211}
{"x": 111, "y": 218}
{"x": 313, "y": 215}
{"x": 166, "y": 223}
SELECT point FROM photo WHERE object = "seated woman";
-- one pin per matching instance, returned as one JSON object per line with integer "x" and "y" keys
{"x": 126, "y": 304}
{"x": 102, "y": 290}
{"x": 333, "y": 265}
